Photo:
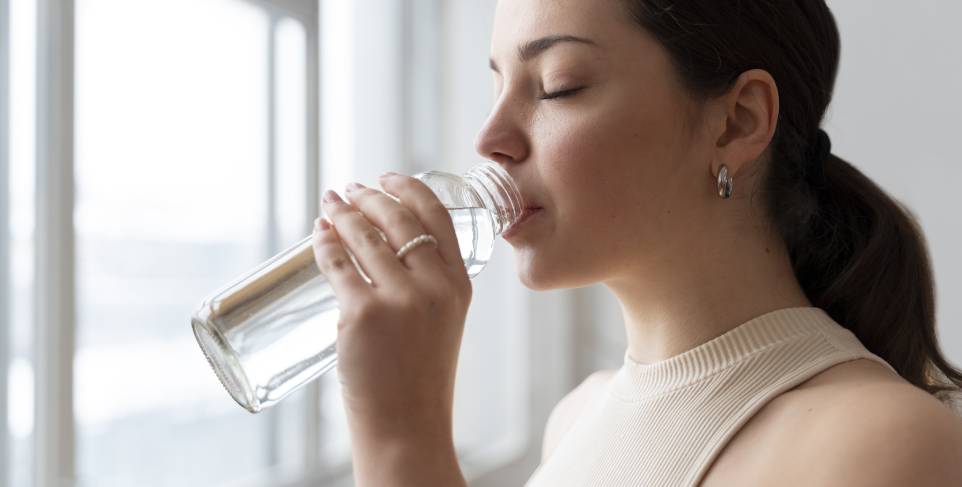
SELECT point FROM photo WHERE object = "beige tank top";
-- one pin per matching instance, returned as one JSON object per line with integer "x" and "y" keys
{"x": 663, "y": 424}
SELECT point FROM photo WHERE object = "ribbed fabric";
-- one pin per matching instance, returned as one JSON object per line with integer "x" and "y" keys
{"x": 663, "y": 424}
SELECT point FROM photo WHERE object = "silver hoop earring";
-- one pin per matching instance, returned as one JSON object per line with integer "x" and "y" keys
{"x": 725, "y": 183}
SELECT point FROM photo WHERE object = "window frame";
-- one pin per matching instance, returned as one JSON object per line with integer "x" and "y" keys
{"x": 54, "y": 301}
{"x": 55, "y": 263}
{"x": 306, "y": 12}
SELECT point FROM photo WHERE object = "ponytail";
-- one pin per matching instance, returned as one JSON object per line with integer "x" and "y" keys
{"x": 861, "y": 256}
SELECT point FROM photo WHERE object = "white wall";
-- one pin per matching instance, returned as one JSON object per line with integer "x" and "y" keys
{"x": 895, "y": 116}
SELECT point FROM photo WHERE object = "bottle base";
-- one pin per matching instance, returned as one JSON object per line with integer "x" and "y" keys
{"x": 223, "y": 359}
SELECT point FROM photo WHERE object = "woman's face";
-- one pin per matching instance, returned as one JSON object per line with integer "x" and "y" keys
{"x": 618, "y": 168}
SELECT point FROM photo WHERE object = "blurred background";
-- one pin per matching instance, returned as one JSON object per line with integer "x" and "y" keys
{"x": 152, "y": 150}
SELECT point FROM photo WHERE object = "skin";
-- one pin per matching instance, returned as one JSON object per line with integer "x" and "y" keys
{"x": 398, "y": 400}
{"x": 630, "y": 159}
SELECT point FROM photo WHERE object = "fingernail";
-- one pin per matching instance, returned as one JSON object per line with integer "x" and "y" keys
{"x": 330, "y": 196}
{"x": 354, "y": 186}
{"x": 389, "y": 174}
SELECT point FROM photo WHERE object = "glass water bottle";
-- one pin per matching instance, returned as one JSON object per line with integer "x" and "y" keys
{"x": 273, "y": 330}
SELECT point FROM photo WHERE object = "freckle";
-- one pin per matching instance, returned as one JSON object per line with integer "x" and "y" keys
{"x": 669, "y": 212}
{"x": 768, "y": 250}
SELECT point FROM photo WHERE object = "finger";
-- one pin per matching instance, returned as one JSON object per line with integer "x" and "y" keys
{"x": 335, "y": 263}
{"x": 425, "y": 205}
{"x": 399, "y": 224}
{"x": 364, "y": 240}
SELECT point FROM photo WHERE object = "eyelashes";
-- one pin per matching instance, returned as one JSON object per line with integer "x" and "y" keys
{"x": 560, "y": 94}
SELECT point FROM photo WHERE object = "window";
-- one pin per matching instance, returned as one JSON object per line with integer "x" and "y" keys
{"x": 195, "y": 155}
{"x": 189, "y": 117}
{"x": 171, "y": 160}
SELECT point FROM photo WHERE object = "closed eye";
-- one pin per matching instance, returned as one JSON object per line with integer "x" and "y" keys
{"x": 560, "y": 94}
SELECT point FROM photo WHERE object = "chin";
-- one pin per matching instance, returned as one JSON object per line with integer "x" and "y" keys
{"x": 542, "y": 276}
{"x": 534, "y": 285}
{"x": 529, "y": 273}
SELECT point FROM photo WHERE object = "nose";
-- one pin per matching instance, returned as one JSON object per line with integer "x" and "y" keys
{"x": 502, "y": 139}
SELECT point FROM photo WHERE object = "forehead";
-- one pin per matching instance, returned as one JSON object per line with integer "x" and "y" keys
{"x": 519, "y": 20}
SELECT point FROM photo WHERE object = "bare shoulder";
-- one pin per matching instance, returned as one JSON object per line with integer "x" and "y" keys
{"x": 568, "y": 409}
{"x": 854, "y": 424}
{"x": 882, "y": 432}
{"x": 860, "y": 424}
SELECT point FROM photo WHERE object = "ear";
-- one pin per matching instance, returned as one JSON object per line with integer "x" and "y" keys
{"x": 747, "y": 117}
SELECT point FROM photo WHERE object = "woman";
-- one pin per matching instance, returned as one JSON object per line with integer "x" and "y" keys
{"x": 778, "y": 305}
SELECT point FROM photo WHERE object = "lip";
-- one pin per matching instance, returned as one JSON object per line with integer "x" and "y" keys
{"x": 526, "y": 215}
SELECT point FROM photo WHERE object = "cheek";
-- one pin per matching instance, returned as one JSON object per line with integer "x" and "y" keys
{"x": 607, "y": 161}
{"x": 619, "y": 135}
{"x": 595, "y": 205}
{"x": 612, "y": 172}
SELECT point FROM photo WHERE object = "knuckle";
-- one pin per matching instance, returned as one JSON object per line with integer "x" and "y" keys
{"x": 417, "y": 183}
{"x": 413, "y": 186}
{"x": 407, "y": 298}
{"x": 370, "y": 237}
{"x": 337, "y": 209}
{"x": 434, "y": 297}
{"x": 355, "y": 314}
{"x": 364, "y": 194}
{"x": 436, "y": 209}
{"x": 459, "y": 291}
{"x": 361, "y": 192}
{"x": 423, "y": 302}
{"x": 335, "y": 264}
{"x": 399, "y": 219}
{"x": 406, "y": 181}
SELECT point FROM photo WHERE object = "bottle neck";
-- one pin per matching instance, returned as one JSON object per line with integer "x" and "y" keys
{"x": 498, "y": 193}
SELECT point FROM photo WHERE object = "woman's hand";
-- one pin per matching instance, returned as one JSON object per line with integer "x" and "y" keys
{"x": 399, "y": 336}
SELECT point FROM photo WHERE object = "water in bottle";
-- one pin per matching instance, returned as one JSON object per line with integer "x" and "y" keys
{"x": 275, "y": 329}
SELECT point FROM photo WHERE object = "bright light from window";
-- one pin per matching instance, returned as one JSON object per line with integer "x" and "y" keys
{"x": 21, "y": 404}
{"x": 172, "y": 201}
{"x": 338, "y": 91}
{"x": 22, "y": 138}
{"x": 291, "y": 133}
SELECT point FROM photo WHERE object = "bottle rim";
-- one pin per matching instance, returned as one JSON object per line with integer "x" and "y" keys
{"x": 509, "y": 202}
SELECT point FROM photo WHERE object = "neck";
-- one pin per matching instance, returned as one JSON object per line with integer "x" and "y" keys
{"x": 689, "y": 298}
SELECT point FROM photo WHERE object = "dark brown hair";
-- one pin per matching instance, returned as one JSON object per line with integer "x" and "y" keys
{"x": 857, "y": 253}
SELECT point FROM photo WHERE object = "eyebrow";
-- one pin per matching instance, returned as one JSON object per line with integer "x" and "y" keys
{"x": 532, "y": 49}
